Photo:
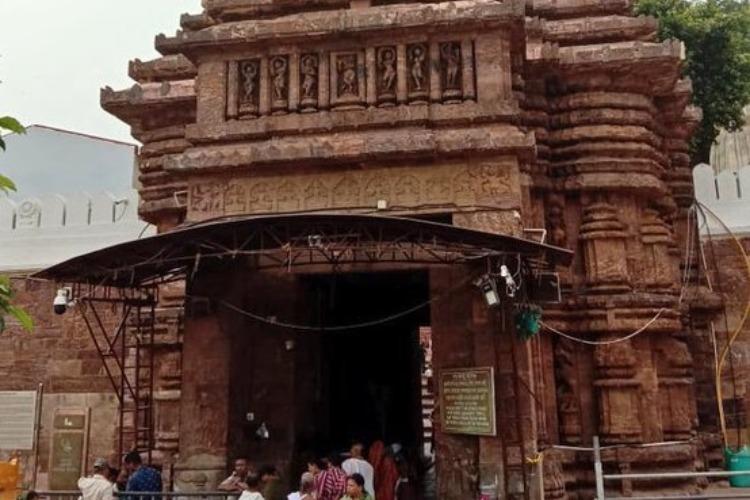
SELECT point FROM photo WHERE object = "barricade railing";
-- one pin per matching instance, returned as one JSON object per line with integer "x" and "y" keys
{"x": 601, "y": 478}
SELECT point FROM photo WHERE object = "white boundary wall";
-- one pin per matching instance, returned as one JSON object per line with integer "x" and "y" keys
{"x": 727, "y": 195}
{"x": 42, "y": 231}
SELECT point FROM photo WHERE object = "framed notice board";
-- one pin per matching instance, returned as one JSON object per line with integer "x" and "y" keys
{"x": 68, "y": 449}
{"x": 467, "y": 401}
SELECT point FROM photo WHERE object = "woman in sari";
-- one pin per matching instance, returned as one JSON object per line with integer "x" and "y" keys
{"x": 355, "y": 488}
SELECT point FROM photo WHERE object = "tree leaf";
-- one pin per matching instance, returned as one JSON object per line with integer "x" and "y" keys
{"x": 12, "y": 125}
{"x": 22, "y": 316}
{"x": 6, "y": 184}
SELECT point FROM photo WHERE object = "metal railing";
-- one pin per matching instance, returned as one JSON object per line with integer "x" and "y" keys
{"x": 601, "y": 478}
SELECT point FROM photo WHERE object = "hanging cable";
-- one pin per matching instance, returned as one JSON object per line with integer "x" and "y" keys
{"x": 606, "y": 342}
{"x": 340, "y": 328}
{"x": 732, "y": 338}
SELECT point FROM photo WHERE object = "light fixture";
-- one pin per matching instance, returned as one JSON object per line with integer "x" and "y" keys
{"x": 262, "y": 431}
{"x": 62, "y": 299}
{"x": 489, "y": 289}
{"x": 510, "y": 284}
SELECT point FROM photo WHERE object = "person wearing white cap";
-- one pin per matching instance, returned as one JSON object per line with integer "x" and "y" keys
{"x": 96, "y": 486}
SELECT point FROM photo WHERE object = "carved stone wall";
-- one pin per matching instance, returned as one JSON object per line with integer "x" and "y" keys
{"x": 489, "y": 184}
{"x": 570, "y": 113}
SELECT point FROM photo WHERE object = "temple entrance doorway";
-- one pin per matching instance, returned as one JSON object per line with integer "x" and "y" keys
{"x": 370, "y": 377}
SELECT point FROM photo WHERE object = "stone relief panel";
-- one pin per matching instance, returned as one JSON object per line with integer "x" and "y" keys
{"x": 279, "y": 80}
{"x": 309, "y": 69}
{"x": 387, "y": 75}
{"x": 450, "y": 71}
{"x": 419, "y": 72}
{"x": 486, "y": 184}
{"x": 249, "y": 88}
{"x": 347, "y": 79}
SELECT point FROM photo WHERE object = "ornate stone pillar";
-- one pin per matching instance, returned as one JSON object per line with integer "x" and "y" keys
{"x": 605, "y": 252}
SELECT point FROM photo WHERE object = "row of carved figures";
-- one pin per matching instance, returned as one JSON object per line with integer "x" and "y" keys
{"x": 380, "y": 76}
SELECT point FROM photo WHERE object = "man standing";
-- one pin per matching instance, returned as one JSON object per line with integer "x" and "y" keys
{"x": 236, "y": 482}
{"x": 356, "y": 464}
{"x": 97, "y": 486}
{"x": 142, "y": 478}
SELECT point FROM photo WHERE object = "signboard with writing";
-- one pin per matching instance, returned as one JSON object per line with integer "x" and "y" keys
{"x": 68, "y": 447}
{"x": 467, "y": 401}
{"x": 17, "y": 415}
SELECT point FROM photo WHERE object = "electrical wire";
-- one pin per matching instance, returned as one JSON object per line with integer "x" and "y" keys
{"x": 606, "y": 342}
{"x": 340, "y": 328}
{"x": 732, "y": 338}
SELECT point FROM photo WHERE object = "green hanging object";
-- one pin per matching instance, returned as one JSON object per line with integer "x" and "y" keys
{"x": 528, "y": 320}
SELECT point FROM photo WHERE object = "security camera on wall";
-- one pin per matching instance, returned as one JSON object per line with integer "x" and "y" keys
{"x": 62, "y": 299}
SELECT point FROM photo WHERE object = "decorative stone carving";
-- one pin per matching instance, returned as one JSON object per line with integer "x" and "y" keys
{"x": 450, "y": 64}
{"x": 568, "y": 396}
{"x": 387, "y": 75}
{"x": 347, "y": 79}
{"x": 658, "y": 266}
{"x": 555, "y": 219}
{"x": 29, "y": 214}
{"x": 249, "y": 88}
{"x": 605, "y": 253}
{"x": 419, "y": 72}
{"x": 309, "y": 72}
{"x": 279, "y": 76}
{"x": 485, "y": 184}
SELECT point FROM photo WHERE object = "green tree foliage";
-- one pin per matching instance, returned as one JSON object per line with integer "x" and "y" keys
{"x": 716, "y": 34}
{"x": 7, "y": 309}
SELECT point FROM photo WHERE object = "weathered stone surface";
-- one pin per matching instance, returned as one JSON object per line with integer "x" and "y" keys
{"x": 339, "y": 105}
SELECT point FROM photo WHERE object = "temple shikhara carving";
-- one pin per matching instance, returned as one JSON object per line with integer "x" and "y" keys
{"x": 318, "y": 168}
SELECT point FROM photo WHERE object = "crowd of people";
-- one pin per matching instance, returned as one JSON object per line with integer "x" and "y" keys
{"x": 382, "y": 474}
{"x": 106, "y": 481}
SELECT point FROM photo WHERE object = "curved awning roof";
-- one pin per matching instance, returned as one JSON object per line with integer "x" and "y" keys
{"x": 285, "y": 241}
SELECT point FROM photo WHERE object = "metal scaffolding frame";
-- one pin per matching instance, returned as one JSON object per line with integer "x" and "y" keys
{"x": 126, "y": 351}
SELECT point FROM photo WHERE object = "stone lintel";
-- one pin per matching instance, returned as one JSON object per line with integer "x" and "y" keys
{"x": 168, "y": 68}
{"x": 631, "y": 53}
{"x": 234, "y": 10}
{"x": 590, "y": 30}
{"x": 358, "y": 147}
{"x": 457, "y": 16}
{"x": 357, "y": 119}
{"x": 560, "y": 9}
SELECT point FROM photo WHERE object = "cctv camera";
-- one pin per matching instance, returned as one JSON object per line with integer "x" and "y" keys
{"x": 60, "y": 304}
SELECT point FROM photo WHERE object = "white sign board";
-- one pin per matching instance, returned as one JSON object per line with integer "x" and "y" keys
{"x": 17, "y": 415}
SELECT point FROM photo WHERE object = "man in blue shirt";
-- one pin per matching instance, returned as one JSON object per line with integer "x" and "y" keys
{"x": 142, "y": 478}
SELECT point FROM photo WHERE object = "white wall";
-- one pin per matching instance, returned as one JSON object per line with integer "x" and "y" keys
{"x": 75, "y": 195}
{"x": 727, "y": 194}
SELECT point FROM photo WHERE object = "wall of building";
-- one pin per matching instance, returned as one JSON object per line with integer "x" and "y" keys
{"x": 75, "y": 196}
{"x": 724, "y": 226}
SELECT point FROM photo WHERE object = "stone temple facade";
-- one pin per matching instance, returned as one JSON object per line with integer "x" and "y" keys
{"x": 566, "y": 115}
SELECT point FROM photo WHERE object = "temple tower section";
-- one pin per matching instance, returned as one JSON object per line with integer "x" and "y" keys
{"x": 609, "y": 110}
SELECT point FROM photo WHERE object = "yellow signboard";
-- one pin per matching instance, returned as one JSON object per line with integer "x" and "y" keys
{"x": 9, "y": 473}
{"x": 467, "y": 401}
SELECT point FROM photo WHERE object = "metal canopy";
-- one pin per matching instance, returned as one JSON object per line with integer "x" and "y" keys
{"x": 287, "y": 241}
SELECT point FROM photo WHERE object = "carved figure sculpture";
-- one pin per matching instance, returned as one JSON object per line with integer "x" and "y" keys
{"x": 451, "y": 55}
{"x": 279, "y": 67}
{"x": 416, "y": 60}
{"x": 309, "y": 70}
{"x": 347, "y": 67}
{"x": 249, "y": 74}
{"x": 387, "y": 63}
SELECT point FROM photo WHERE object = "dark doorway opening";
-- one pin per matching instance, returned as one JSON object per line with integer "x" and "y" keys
{"x": 370, "y": 377}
